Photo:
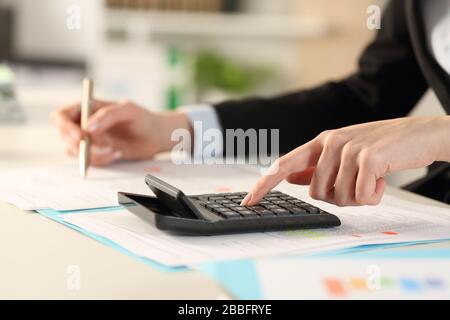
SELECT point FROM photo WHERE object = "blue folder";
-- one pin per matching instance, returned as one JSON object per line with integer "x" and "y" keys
{"x": 240, "y": 277}
{"x": 56, "y": 216}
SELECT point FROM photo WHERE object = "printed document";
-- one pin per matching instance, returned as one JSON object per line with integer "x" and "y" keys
{"x": 393, "y": 221}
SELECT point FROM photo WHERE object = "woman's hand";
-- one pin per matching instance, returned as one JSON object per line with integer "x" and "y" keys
{"x": 119, "y": 131}
{"x": 347, "y": 166}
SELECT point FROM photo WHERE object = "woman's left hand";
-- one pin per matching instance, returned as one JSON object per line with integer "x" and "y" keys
{"x": 347, "y": 166}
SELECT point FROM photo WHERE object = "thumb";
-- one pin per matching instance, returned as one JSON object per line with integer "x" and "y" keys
{"x": 110, "y": 115}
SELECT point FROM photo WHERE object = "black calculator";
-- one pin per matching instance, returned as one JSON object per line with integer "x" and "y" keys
{"x": 221, "y": 213}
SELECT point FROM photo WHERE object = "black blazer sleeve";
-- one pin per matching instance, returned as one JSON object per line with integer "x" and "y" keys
{"x": 387, "y": 84}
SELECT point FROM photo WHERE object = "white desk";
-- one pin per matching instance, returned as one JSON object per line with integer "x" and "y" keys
{"x": 36, "y": 252}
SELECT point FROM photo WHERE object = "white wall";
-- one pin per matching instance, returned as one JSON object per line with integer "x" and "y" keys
{"x": 41, "y": 28}
{"x": 41, "y": 25}
{"x": 132, "y": 71}
{"x": 270, "y": 6}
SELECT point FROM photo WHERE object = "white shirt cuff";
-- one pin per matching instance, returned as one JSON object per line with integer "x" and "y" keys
{"x": 203, "y": 118}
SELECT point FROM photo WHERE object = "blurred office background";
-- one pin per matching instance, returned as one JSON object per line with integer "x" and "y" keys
{"x": 166, "y": 53}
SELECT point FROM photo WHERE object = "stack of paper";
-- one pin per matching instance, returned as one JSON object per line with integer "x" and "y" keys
{"x": 394, "y": 221}
{"x": 61, "y": 188}
{"x": 63, "y": 191}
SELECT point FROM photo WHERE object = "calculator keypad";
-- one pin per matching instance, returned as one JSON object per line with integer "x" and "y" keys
{"x": 274, "y": 204}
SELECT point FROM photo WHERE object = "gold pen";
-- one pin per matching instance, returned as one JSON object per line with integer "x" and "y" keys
{"x": 86, "y": 101}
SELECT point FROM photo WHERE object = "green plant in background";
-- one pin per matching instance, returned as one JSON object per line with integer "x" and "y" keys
{"x": 192, "y": 77}
{"x": 10, "y": 110}
{"x": 174, "y": 94}
{"x": 6, "y": 75}
{"x": 214, "y": 71}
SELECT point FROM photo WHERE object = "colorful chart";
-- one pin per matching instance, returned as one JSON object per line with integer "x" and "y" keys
{"x": 346, "y": 287}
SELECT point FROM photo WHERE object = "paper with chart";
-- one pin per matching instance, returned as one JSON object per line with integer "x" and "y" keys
{"x": 353, "y": 279}
{"x": 61, "y": 188}
{"x": 394, "y": 221}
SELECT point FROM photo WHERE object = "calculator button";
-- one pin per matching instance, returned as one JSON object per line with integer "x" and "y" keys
{"x": 296, "y": 201}
{"x": 312, "y": 210}
{"x": 230, "y": 214}
{"x": 239, "y": 208}
{"x": 237, "y": 200}
{"x": 258, "y": 208}
{"x": 224, "y": 201}
{"x": 220, "y": 210}
{"x": 216, "y": 198}
{"x": 254, "y": 208}
{"x": 298, "y": 210}
{"x": 272, "y": 199}
{"x": 247, "y": 213}
{"x": 275, "y": 192}
{"x": 213, "y": 206}
{"x": 272, "y": 207}
{"x": 233, "y": 197}
{"x": 282, "y": 212}
{"x": 287, "y": 198}
{"x": 231, "y": 205}
{"x": 265, "y": 213}
{"x": 280, "y": 202}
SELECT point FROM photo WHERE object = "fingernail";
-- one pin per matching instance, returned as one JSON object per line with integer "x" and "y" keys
{"x": 247, "y": 199}
{"x": 117, "y": 155}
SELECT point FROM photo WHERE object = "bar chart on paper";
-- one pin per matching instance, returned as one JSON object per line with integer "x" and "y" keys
{"x": 354, "y": 279}
{"x": 357, "y": 285}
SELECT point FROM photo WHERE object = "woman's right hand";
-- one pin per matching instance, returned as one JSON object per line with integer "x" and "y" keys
{"x": 119, "y": 131}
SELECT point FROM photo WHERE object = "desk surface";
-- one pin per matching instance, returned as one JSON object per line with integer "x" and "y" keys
{"x": 37, "y": 252}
